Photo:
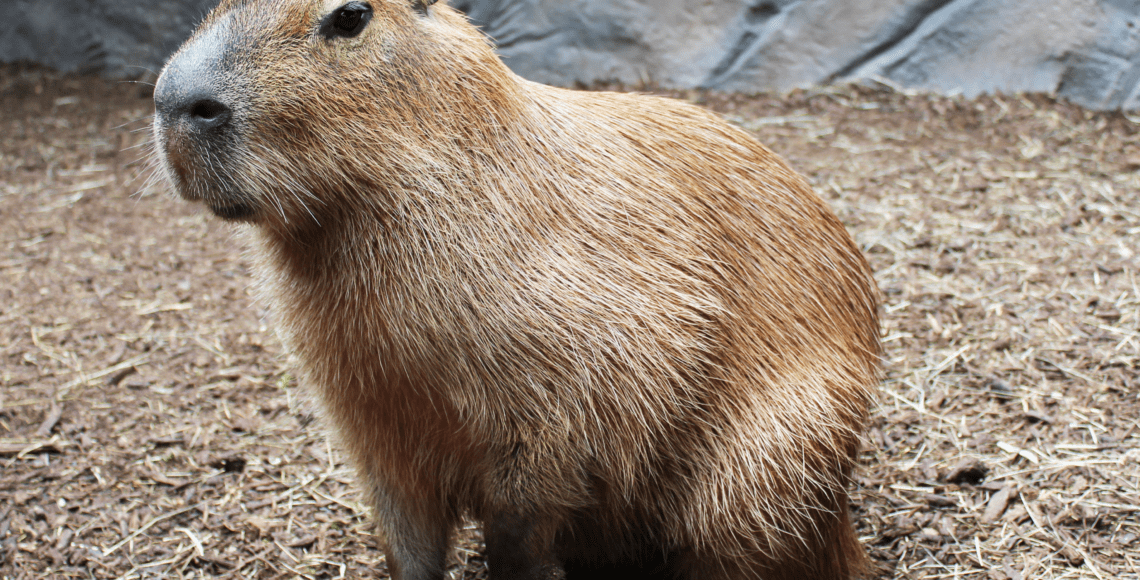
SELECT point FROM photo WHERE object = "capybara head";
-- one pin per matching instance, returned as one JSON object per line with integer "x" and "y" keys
{"x": 267, "y": 91}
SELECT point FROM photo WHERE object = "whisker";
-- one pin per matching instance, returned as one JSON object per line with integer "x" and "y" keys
{"x": 137, "y": 83}
{"x": 146, "y": 68}
{"x": 145, "y": 119}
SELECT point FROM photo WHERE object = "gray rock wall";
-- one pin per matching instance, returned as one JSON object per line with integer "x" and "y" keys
{"x": 121, "y": 38}
{"x": 1086, "y": 50}
{"x": 1083, "y": 49}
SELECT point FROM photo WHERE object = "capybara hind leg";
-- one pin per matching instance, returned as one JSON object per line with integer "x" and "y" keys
{"x": 519, "y": 548}
{"x": 835, "y": 555}
{"x": 636, "y": 569}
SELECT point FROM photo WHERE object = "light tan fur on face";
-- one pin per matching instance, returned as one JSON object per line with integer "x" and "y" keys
{"x": 613, "y": 317}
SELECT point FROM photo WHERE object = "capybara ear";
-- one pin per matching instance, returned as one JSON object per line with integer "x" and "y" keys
{"x": 421, "y": 6}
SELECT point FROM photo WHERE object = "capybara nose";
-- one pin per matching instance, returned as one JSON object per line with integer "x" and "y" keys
{"x": 197, "y": 110}
{"x": 191, "y": 94}
{"x": 208, "y": 114}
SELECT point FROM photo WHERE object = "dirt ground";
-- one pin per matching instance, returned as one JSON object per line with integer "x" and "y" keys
{"x": 149, "y": 426}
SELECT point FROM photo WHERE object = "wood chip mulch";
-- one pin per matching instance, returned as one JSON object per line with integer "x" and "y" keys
{"x": 149, "y": 427}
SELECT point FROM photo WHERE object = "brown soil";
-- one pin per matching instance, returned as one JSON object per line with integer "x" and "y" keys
{"x": 149, "y": 426}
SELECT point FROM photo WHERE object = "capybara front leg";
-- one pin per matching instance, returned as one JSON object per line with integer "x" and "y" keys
{"x": 519, "y": 548}
{"x": 415, "y": 541}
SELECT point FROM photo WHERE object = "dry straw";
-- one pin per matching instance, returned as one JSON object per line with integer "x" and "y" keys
{"x": 148, "y": 427}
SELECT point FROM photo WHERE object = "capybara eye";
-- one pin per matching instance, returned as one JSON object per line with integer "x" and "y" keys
{"x": 421, "y": 6}
{"x": 347, "y": 21}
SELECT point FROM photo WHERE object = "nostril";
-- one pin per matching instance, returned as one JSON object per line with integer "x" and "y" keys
{"x": 208, "y": 113}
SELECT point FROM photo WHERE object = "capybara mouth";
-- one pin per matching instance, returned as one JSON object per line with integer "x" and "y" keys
{"x": 237, "y": 211}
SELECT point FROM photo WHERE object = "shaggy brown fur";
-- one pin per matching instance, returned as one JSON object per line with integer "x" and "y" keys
{"x": 618, "y": 331}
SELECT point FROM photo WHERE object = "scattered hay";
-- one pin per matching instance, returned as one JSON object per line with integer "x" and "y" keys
{"x": 148, "y": 427}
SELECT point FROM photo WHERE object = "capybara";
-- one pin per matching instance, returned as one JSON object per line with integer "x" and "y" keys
{"x": 617, "y": 331}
